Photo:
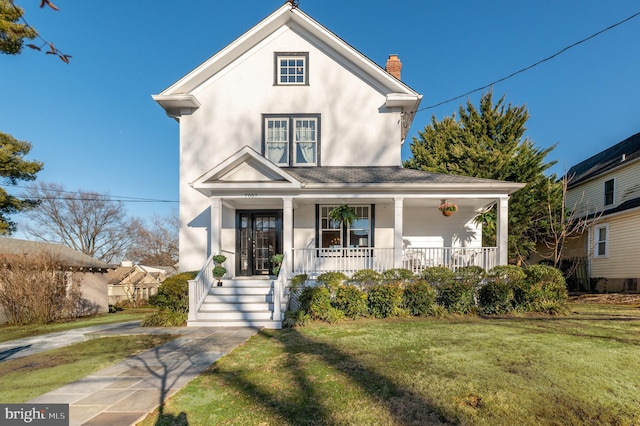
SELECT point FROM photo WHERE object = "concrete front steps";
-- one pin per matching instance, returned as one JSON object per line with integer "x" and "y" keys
{"x": 239, "y": 303}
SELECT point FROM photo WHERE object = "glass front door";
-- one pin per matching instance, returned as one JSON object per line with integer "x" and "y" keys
{"x": 259, "y": 237}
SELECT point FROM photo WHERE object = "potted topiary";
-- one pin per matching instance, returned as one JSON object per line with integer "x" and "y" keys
{"x": 219, "y": 270}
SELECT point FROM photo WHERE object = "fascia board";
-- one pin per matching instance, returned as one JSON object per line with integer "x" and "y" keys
{"x": 477, "y": 189}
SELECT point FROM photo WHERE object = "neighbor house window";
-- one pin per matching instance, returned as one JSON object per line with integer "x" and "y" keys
{"x": 292, "y": 140}
{"x": 608, "y": 192}
{"x": 333, "y": 234}
{"x": 601, "y": 241}
{"x": 292, "y": 68}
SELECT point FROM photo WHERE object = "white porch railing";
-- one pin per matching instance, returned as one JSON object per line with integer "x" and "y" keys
{"x": 349, "y": 260}
{"x": 199, "y": 288}
{"x": 279, "y": 284}
{"x": 346, "y": 260}
{"x": 418, "y": 259}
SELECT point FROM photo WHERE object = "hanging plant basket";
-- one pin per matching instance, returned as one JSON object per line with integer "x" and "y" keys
{"x": 343, "y": 214}
{"x": 447, "y": 209}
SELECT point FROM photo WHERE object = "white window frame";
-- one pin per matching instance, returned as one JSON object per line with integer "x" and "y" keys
{"x": 308, "y": 136}
{"x": 597, "y": 241}
{"x": 297, "y": 73}
{"x": 269, "y": 138}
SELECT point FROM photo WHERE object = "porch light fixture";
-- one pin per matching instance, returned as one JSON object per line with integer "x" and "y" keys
{"x": 447, "y": 208}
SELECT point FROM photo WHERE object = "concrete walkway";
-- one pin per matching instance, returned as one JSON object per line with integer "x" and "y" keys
{"x": 125, "y": 393}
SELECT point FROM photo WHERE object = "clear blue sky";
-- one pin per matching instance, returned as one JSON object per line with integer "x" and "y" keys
{"x": 95, "y": 127}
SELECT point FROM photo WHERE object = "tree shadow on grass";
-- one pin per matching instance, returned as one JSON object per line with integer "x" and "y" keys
{"x": 304, "y": 403}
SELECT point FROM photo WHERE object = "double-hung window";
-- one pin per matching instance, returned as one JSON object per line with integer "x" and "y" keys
{"x": 601, "y": 241}
{"x": 292, "y": 140}
{"x": 333, "y": 234}
{"x": 291, "y": 68}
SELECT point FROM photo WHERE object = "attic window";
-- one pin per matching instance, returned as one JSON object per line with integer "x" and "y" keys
{"x": 291, "y": 68}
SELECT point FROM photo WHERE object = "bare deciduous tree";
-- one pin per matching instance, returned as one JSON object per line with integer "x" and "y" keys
{"x": 157, "y": 242}
{"x": 85, "y": 221}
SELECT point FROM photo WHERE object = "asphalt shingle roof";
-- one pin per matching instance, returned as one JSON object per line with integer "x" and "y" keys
{"x": 66, "y": 255}
{"x": 375, "y": 175}
{"x": 606, "y": 160}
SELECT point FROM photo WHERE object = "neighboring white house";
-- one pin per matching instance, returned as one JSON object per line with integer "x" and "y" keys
{"x": 606, "y": 188}
{"x": 281, "y": 126}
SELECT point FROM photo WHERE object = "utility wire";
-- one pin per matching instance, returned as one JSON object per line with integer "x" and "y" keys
{"x": 548, "y": 58}
{"x": 80, "y": 196}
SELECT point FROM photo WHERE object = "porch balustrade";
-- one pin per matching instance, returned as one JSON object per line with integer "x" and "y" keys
{"x": 199, "y": 288}
{"x": 349, "y": 260}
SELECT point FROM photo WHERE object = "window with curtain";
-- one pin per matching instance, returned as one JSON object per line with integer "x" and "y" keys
{"x": 292, "y": 140}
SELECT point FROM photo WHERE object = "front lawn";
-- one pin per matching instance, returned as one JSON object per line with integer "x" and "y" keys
{"x": 576, "y": 369}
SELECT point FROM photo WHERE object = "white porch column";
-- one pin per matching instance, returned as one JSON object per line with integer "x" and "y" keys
{"x": 502, "y": 230}
{"x": 216, "y": 225}
{"x": 397, "y": 231}
{"x": 287, "y": 231}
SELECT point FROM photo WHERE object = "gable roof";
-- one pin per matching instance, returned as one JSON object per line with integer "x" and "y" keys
{"x": 179, "y": 98}
{"x": 618, "y": 155}
{"x": 67, "y": 256}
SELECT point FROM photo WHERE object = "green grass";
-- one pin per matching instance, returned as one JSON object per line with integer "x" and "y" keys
{"x": 25, "y": 378}
{"x": 11, "y": 332}
{"x": 576, "y": 369}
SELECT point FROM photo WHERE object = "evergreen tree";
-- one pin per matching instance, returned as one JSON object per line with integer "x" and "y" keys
{"x": 13, "y": 168}
{"x": 12, "y": 32}
{"x": 489, "y": 142}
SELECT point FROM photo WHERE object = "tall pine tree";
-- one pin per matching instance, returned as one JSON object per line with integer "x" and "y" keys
{"x": 489, "y": 142}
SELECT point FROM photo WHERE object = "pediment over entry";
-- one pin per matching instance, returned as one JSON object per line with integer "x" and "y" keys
{"x": 244, "y": 169}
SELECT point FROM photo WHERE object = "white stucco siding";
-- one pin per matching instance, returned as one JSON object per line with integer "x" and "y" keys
{"x": 233, "y": 101}
{"x": 428, "y": 222}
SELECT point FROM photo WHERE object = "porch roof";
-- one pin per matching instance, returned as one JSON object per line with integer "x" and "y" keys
{"x": 395, "y": 175}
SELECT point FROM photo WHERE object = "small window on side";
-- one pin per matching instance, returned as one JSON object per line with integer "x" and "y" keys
{"x": 608, "y": 192}
{"x": 291, "y": 68}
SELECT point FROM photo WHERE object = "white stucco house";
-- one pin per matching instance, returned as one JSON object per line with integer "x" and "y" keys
{"x": 278, "y": 128}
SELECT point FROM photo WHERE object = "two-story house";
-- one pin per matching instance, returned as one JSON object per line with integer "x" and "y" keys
{"x": 605, "y": 189}
{"x": 279, "y": 128}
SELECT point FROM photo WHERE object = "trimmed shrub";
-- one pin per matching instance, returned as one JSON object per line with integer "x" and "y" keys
{"x": 456, "y": 297}
{"x": 547, "y": 289}
{"x": 331, "y": 280}
{"x": 173, "y": 293}
{"x": 165, "y": 318}
{"x": 385, "y": 300}
{"x": 365, "y": 278}
{"x": 352, "y": 301}
{"x": 472, "y": 275}
{"x": 495, "y": 297}
{"x": 438, "y": 275}
{"x": 398, "y": 275}
{"x": 419, "y": 298}
{"x": 316, "y": 301}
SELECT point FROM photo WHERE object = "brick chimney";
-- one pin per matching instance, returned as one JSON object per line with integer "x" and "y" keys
{"x": 394, "y": 66}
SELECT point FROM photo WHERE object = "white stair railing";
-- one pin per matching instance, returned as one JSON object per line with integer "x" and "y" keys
{"x": 199, "y": 288}
{"x": 279, "y": 285}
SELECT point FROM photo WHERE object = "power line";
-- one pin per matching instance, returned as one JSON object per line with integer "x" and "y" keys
{"x": 486, "y": 86}
{"x": 121, "y": 198}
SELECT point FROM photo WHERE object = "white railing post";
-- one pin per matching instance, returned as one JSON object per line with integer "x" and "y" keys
{"x": 193, "y": 311}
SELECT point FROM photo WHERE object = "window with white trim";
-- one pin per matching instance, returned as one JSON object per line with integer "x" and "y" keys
{"x": 333, "y": 234}
{"x": 292, "y": 140}
{"x": 601, "y": 241}
{"x": 292, "y": 68}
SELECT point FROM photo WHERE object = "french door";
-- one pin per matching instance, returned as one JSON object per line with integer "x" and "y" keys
{"x": 258, "y": 238}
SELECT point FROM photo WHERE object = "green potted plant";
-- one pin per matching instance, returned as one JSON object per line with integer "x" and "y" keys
{"x": 219, "y": 270}
{"x": 276, "y": 260}
{"x": 343, "y": 214}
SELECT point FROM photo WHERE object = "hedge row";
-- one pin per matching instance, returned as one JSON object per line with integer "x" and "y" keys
{"x": 437, "y": 291}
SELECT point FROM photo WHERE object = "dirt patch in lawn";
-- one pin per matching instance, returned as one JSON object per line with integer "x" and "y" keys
{"x": 608, "y": 298}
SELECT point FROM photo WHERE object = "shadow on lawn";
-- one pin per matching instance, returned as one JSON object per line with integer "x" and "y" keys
{"x": 308, "y": 406}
